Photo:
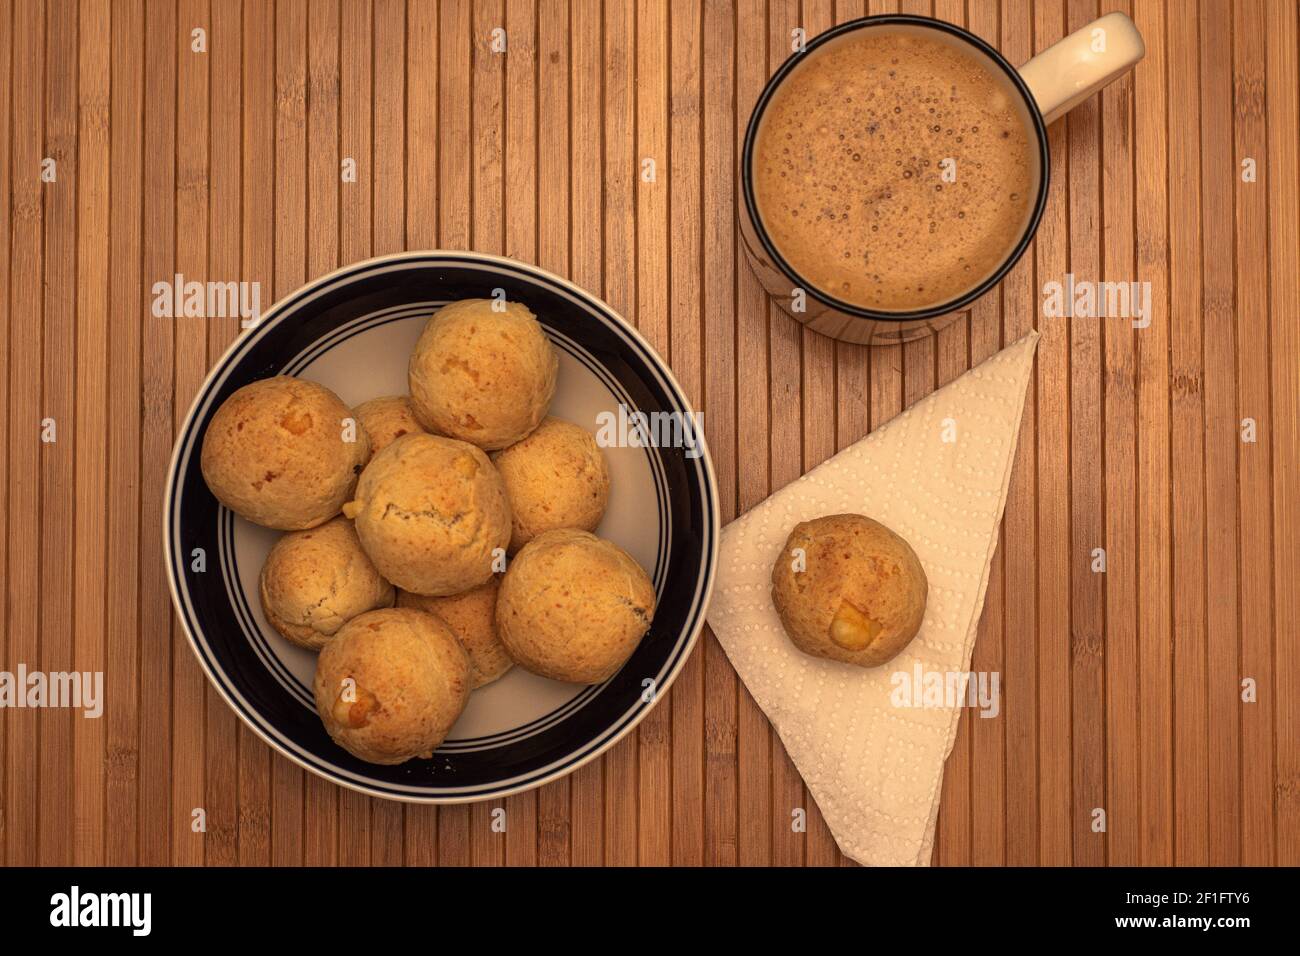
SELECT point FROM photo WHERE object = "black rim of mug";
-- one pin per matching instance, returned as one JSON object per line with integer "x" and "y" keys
{"x": 943, "y": 308}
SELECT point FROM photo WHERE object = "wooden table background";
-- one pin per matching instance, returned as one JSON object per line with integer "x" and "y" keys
{"x": 1120, "y": 690}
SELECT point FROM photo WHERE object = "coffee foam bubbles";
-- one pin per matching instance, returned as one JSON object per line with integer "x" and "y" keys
{"x": 892, "y": 169}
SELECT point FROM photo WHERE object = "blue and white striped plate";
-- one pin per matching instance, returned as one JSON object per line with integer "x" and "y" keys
{"x": 353, "y": 331}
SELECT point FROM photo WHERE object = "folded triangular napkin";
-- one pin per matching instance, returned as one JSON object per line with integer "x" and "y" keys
{"x": 937, "y": 475}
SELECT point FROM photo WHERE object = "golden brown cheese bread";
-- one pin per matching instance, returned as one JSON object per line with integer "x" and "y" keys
{"x": 573, "y": 607}
{"x": 849, "y": 589}
{"x": 386, "y": 420}
{"x": 315, "y": 581}
{"x": 472, "y": 617}
{"x": 555, "y": 478}
{"x": 284, "y": 453}
{"x": 431, "y": 512}
{"x": 391, "y": 684}
{"x": 482, "y": 371}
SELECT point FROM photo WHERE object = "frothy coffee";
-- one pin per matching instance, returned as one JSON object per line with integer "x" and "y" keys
{"x": 849, "y": 169}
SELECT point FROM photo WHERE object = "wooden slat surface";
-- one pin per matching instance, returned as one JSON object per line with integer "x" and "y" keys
{"x": 601, "y": 144}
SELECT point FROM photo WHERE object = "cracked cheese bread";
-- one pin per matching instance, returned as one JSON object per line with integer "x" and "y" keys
{"x": 431, "y": 513}
{"x": 849, "y": 589}
{"x": 284, "y": 453}
{"x": 573, "y": 607}
{"x": 315, "y": 581}
{"x": 555, "y": 478}
{"x": 386, "y": 420}
{"x": 483, "y": 371}
{"x": 391, "y": 684}
{"x": 472, "y": 616}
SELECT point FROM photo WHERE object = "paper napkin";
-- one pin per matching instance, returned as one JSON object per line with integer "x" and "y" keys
{"x": 937, "y": 475}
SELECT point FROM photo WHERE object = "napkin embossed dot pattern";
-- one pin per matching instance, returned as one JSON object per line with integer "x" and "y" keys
{"x": 937, "y": 475}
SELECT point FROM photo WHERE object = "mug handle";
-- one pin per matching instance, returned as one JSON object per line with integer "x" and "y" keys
{"x": 1071, "y": 70}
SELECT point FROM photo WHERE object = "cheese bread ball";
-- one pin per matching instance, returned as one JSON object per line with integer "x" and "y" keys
{"x": 315, "y": 581}
{"x": 431, "y": 512}
{"x": 860, "y": 597}
{"x": 482, "y": 374}
{"x": 472, "y": 617}
{"x": 573, "y": 607}
{"x": 387, "y": 419}
{"x": 391, "y": 684}
{"x": 555, "y": 478}
{"x": 277, "y": 452}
